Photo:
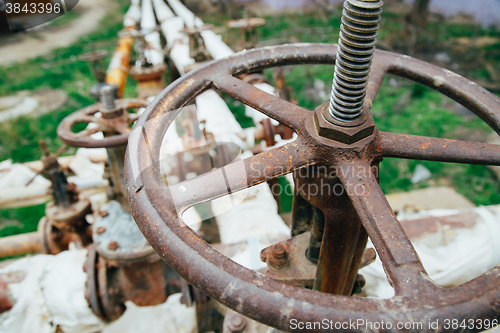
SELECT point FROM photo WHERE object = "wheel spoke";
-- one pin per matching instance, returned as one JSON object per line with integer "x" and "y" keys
{"x": 377, "y": 74}
{"x": 85, "y": 118}
{"x": 89, "y": 131}
{"x": 436, "y": 149}
{"x": 272, "y": 106}
{"x": 401, "y": 262}
{"x": 122, "y": 128}
{"x": 240, "y": 174}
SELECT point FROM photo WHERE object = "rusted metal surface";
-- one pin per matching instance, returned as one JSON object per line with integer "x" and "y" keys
{"x": 336, "y": 230}
{"x": 302, "y": 213}
{"x": 110, "y": 283}
{"x": 236, "y": 323}
{"x": 347, "y": 133}
{"x": 65, "y": 221}
{"x": 56, "y": 235}
{"x": 95, "y": 157}
{"x": 115, "y": 127}
{"x": 20, "y": 244}
{"x": 149, "y": 79}
{"x": 247, "y": 31}
{"x": 269, "y": 132}
{"x": 208, "y": 318}
{"x": 156, "y": 208}
{"x": 62, "y": 226}
{"x": 299, "y": 271}
{"x": 197, "y": 48}
{"x": 96, "y": 63}
{"x": 283, "y": 89}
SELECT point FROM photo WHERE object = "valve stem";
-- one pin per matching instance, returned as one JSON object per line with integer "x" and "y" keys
{"x": 108, "y": 98}
{"x": 358, "y": 32}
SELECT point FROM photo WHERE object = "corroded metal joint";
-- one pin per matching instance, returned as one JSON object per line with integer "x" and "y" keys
{"x": 197, "y": 48}
{"x": 64, "y": 218}
{"x": 149, "y": 79}
{"x": 113, "y": 113}
{"x": 237, "y": 323}
{"x": 348, "y": 133}
{"x": 151, "y": 73}
{"x": 276, "y": 257}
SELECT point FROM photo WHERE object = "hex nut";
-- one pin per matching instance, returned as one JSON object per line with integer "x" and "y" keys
{"x": 348, "y": 133}
{"x": 236, "y": 323}
{"x": 277, "y": 258}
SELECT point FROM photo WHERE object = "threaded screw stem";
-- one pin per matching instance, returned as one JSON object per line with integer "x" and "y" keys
{"x": 358, "y": 33}
{"x": 108, "y": 98}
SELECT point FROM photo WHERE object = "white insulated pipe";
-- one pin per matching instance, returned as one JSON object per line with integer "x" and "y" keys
{"x": 163, "y": 12}
{"x": 218, "y": 49}
{"x": 177, "y": 42}
{"x": 215, "y": 46}
{"x": 154, "y": 53}
{"x": 133, "y": 14}
{"x": 220, "y": 123}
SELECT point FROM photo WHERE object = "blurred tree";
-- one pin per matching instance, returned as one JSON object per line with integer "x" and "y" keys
{"x": 231, "y": 10}
{"x": 415, "y": 21}
{"x": 418, "y": 14}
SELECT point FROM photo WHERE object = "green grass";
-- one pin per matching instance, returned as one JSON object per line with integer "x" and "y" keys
{"x": 20, "y": 220}
{"x": 404, "y": 108}
{"x": 429, "y": 113}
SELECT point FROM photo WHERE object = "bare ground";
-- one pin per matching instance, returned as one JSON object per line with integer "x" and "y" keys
{"x": 37, "y": 43}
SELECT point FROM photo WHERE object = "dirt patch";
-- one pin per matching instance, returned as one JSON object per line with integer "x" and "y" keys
{"x": 37, "y": 43}
{"x": 25, "y": 102}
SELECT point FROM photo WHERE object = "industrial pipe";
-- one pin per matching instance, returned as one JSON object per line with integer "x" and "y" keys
{"x": 20, "y": 244}
{"x": 120, "y": 62}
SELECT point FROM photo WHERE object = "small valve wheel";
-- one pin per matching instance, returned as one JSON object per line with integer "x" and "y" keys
{"x": 111, "y": 117}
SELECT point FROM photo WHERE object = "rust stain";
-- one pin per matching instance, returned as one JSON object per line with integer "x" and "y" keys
{"x": 425, "y": 145}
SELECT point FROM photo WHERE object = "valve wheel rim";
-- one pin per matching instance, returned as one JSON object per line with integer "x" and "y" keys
{"x": 269, "y": 301}
{"x": 87, "y": 115}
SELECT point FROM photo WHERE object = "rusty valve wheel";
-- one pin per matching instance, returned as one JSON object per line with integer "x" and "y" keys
{"x": 320, "y": 141}
{"x": 114, "y": 123}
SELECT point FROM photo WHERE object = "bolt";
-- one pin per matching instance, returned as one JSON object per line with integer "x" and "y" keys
{"x": 113, "y": 245}
{"x": 279, "y": 251}
{"x": 278, "y": 259}
{"x": 100, "y": 230}
{"x": 108, "y": 98}
{"x": 263, "y": 254}
{"x": 358, "y": 32}
{"x": 236, "y": 323}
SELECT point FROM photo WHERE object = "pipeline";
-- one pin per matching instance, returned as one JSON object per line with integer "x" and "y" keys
{"x": 120, "y": 62}
{"x": 20, "y": 244}
{"x": 148, "y": 24}
{"x": 217, "y": 49}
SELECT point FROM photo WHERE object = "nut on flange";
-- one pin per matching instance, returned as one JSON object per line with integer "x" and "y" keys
{"x": 345, "y": 132}
{"x": 276, "y": 257}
